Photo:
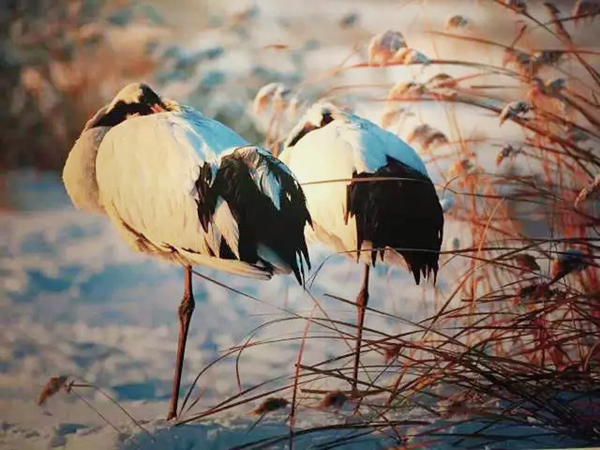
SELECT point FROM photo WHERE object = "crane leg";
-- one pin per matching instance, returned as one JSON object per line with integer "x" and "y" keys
{"x": 186, "y": 309}
{"x": 361, "y": 305}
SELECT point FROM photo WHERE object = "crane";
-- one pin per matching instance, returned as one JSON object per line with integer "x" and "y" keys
{"x": 184, "y": 188}
{"x": 368, "y": 193}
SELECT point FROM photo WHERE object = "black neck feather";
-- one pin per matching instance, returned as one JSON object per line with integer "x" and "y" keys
{"x": 120, "y": 112}
{"x": 326, "y": 118}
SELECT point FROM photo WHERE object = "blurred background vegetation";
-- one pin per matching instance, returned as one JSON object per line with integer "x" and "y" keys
{"x": 63, "y": 59}
{"x": 59, "y": 65}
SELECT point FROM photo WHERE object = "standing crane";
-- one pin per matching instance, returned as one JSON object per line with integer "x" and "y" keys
{"x": 368, "y": 194}
{"x": 185, "y": 188}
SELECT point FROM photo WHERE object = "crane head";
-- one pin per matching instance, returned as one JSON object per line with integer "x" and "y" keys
{"x": 317, "y": 116}
{"x": 135, "y": 99}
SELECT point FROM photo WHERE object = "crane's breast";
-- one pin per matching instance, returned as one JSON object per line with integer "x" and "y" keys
{"x": 323, "y": 162}
{"x": 146, "y": 171}
{"x": 79, "y": 173}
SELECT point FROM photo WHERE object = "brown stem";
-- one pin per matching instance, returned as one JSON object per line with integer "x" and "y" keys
{"x": 186, "y": 309}
{"x": 361, "y": 304}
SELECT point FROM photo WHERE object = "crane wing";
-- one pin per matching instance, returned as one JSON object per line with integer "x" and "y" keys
{"x": 266, "y": 204}
{"x": 374, "y": 145}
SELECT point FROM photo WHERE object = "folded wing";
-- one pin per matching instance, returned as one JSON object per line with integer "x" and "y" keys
{"x": 169, "y": 185}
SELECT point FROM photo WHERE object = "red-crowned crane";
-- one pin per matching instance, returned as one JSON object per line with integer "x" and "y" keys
{"x": 188, "y": 189}
{"x": 368, "y": 193}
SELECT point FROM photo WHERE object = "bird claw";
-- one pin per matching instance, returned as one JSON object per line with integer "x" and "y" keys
{"x": 186, "y": 307}
{"x": 362, "y": 299}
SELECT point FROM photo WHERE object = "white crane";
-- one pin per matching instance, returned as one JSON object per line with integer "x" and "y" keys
{"x": 183, "y": 187}
{"x": 368, "y": 193}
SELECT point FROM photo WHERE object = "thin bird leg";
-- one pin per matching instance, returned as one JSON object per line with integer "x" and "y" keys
{"x": 186, "y": 309}
{"x": 361, "y": 304}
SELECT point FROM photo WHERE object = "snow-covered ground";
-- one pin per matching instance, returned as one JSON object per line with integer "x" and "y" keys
{"x": 75, "y": 300}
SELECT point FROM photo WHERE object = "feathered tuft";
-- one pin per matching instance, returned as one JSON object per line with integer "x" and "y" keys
{"x": 403, "y": 214}
{"x": 266, "y": 202}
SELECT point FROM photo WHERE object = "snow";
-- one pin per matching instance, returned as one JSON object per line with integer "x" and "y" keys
{"x": 75, "y": 300}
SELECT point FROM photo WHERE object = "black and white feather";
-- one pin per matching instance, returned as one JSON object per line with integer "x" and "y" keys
{"x": 258, "y": 205}
{"x": 181, "y": 186}
{"x": 368, "y": 192}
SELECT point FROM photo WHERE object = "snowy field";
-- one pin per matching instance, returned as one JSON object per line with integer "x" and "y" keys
{"x": 75, "y": 300}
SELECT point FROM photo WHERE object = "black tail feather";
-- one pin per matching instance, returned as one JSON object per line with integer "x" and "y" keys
{"x": 403, "y": 214}
{"x": 259, "y": 221}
